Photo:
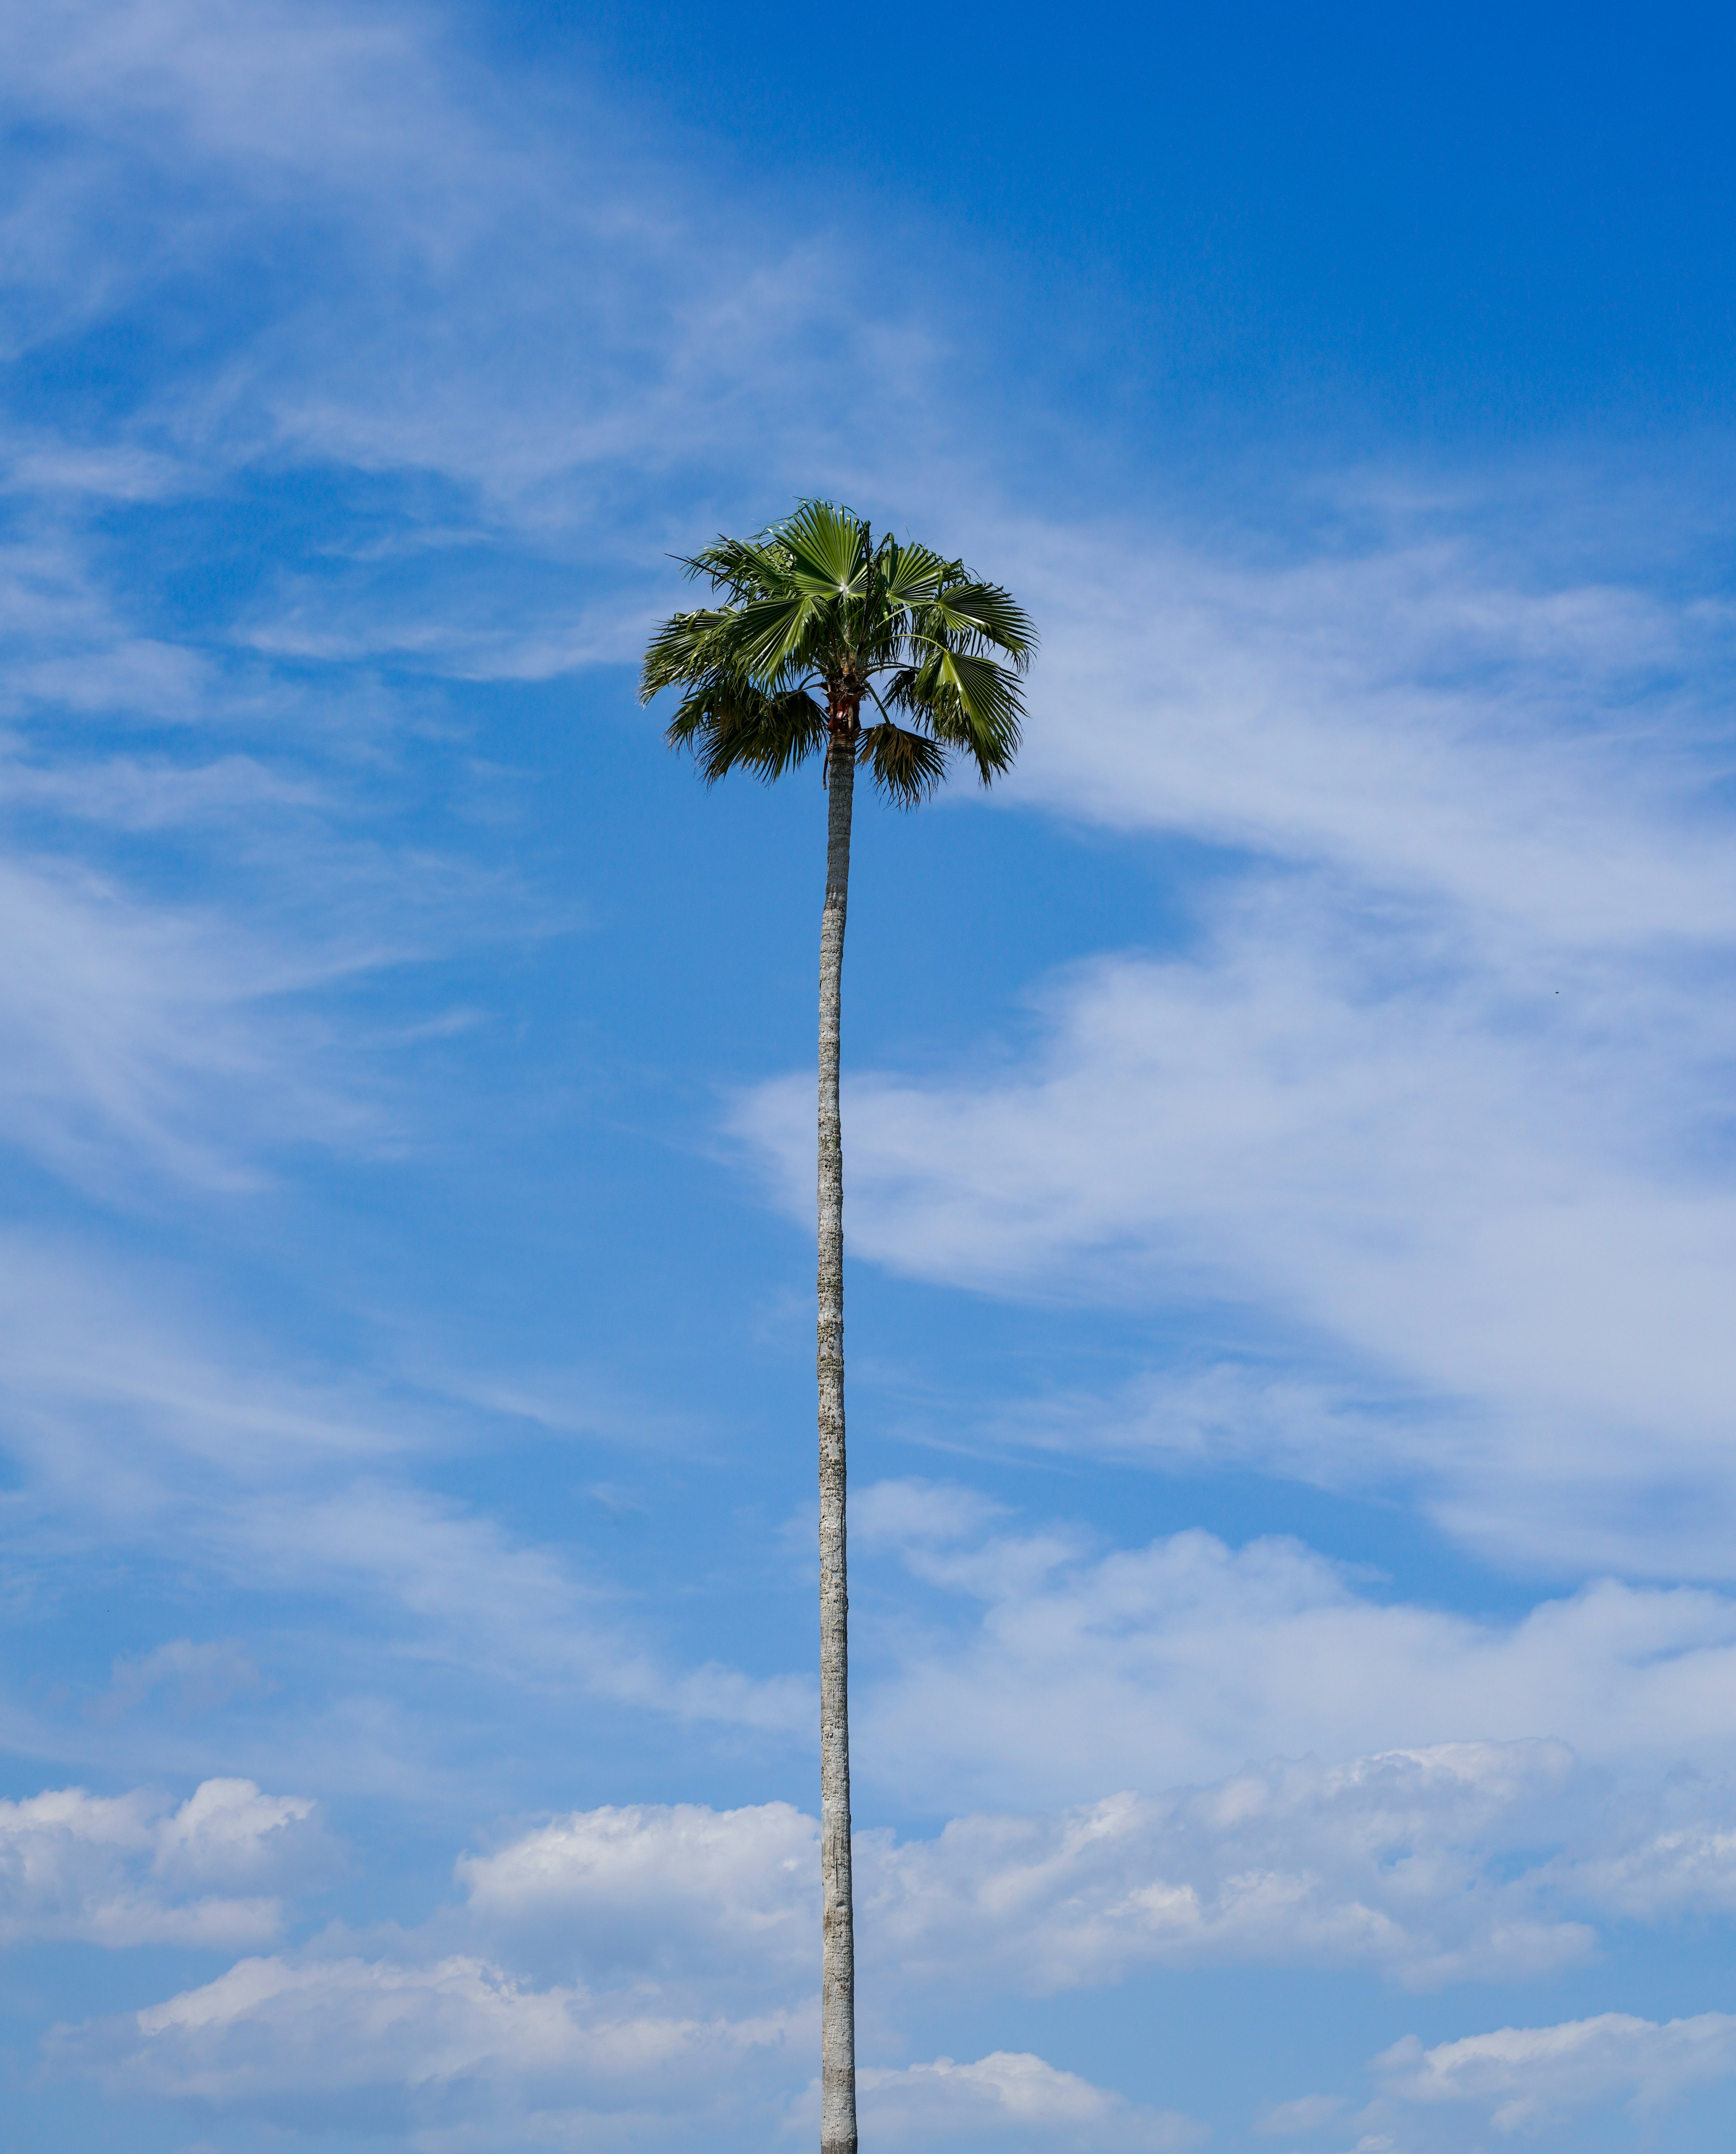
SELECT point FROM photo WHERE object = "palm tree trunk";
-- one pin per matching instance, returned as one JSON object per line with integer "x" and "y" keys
{"x": 838, "y": 1965}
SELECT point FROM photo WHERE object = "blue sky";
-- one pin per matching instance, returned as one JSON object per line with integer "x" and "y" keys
{"x": 1292, "y": 1200}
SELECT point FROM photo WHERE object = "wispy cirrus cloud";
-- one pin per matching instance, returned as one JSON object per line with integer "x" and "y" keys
{"x": 1502, "y": 693}
{"x": 446, "y": 240}
{"x": 140, "y": 1430}
{"x": 1424, "y": 1106}
{"x": 147, "y": 1042}
{"x": 1172, "y": 1661}
{"x": 493, "y": 318}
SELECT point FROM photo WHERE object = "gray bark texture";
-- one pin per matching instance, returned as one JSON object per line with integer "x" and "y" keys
{"x": 838, "y": 1965}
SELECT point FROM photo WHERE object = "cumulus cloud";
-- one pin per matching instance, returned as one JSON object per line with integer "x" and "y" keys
{"x": 458, "y": 2046}
{"x": 1417, "y": 1864}
{"x": 1526, "y": 2076}
{"x": 136, "y": 1869}
{"x": 608, "y": 1970}
{"x": 1010, "y": 2099}
{"x": 1489, "y": 1861}
{"x": 667, "y": 1891}
{"x": 1672, "y": 1862}
{"x": 456, "y": 2040}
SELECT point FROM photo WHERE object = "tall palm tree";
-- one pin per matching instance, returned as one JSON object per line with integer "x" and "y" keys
{"x": 814, "y": 620}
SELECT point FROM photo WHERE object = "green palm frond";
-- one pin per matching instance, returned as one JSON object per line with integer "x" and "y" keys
{"x": 768, "y": 633}
{"x": 685, "y": 646}
{"x": 912, "y": 576}
{"x": 808, "y": 625}
{"x": 740, "y": 566}
{"x": 826, "y": 546}
{"x": 987, "y": 613}
{"x": 730, "y": 725}
{"x": 970, "y": 703}
{"x": 907, "y": 766}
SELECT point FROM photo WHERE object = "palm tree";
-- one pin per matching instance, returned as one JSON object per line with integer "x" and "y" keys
{"x": 815, "y": 619}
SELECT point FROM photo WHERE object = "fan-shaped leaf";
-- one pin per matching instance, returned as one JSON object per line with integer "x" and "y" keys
{"x": 826, "y": 543}
{"x": 731, "y": 725}
{"x": 906, "y": 766}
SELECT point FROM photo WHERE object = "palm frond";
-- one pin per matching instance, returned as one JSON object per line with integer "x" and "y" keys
{"x": 985, "y": 613}
{"x": 742, "y": 567}
{"x": 906, "y": 766}
{"x": 912, "y": 576}
{"x": 826, "y": 548}
{"x": 686, "y": 645}
{"x": 730, "y": 725}
{"x": 969, "y": 702}
{"x": 765, "y": 634}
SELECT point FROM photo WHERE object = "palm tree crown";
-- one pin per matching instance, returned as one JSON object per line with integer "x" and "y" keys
{"x": 815, "y": 604}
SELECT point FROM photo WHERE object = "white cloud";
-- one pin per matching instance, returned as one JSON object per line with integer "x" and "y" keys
{"x": 71, "y": 645}
{"x": 609, "y": 1971}
{"x": 138, "y": 1422}
{"x": 1417, "y": 1864}
{"x": 157, "y": 1039}
{"x": 134, "y": 1869}
{"x": 1150, "y": 1666}
{"x": 483, "y": 287}
{"x": 1460, "y": 1862}
{"x": 198, "y": 1678}
{"x": 1495, "y": 1234}
{"x": 672, "y": 1891}
{"x": 1675, "y": 1865}
{"x": 136, "y": 1032}
{"x": 451, "y": 2042}
{"x": 915, "y": 1513}
{"x": 479, "y": 277}
{"x": 457, "y": 2045}
{"x": 1480, "y": 1209}
{"x": 1011, "y": 2099}
{"x": 1356, "y": 1122}
{"x": 1493, "y": 699}
{"x": 1526, "y": 2076}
